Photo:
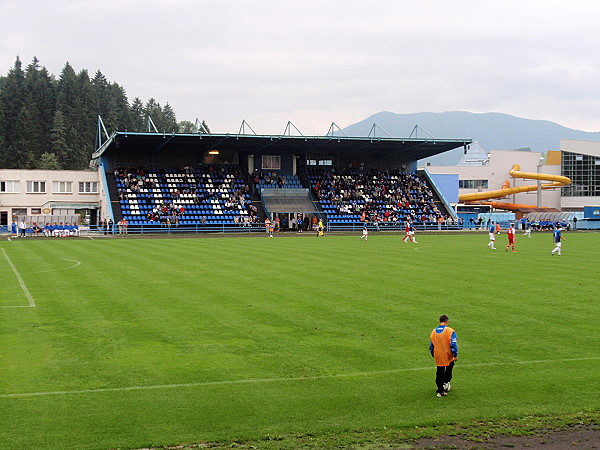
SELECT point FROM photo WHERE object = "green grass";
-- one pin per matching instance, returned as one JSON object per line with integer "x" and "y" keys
{"x": 240, "y": 339}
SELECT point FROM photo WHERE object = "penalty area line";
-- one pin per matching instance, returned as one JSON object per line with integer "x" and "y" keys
{"x": 20, "y": 279}
{"x": 279, "y": 380}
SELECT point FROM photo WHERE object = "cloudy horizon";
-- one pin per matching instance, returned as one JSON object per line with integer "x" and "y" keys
{"x": 315, "y": 63}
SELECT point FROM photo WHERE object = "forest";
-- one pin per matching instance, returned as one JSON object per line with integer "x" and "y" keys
{"x": 51, "y": 123}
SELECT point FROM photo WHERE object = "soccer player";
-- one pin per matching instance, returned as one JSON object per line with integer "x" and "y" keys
{"x": 527, "y": 231}
{"x": 557, "y": 238}
{"x": 492, "y": 236}
{"x": 365, "y": 234}
{"x": 406, "y": 233}
{"x": 511, "y": 233}
{"x": 443, "y": 346}
{"x": 411, "y": 233}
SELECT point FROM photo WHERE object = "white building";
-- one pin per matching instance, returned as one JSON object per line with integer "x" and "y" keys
{"x": 44, "y": 195}
{"x": 493, "y": 174}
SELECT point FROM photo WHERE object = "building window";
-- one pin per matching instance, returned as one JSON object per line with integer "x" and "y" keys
{"x": 36, "y": 187}
{"x": 472, "y": 184}
{"x": 62, "y": 187}
{"x": 272, "y": 162}
{"x": 10, "y": 187}
{"x": 88, "y": 187}
{"x": 583, "y": 170}
{"x": 311, "y": 162}
{"x": 325, "y": 162}
{"x": 36, "y": 211}
{"x": 19, "y": 212}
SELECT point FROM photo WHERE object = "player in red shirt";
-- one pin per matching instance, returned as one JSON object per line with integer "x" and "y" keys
{"x": 511, "y": 233}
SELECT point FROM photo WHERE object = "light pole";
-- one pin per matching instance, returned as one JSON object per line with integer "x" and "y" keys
{"x": 539, "y": 188}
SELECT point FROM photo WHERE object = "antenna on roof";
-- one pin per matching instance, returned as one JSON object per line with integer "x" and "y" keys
{"x": 150, "y": 125}
{"x": 374, "y": 130}
{"x": 101, "y": 133}
{"x": 331, "y": 130}
{"x": 416, "y": 129}
{"x": 288, "y": 129}
{"x": 243, "y": 128}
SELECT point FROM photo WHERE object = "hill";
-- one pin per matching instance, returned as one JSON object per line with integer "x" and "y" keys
{"x": 494, "y": 131}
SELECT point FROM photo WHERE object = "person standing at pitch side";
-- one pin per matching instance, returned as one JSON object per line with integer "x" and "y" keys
{"x": 443, "y": 346}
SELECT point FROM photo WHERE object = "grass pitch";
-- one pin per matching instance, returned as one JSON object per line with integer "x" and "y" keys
{"x": 150, "y": 342}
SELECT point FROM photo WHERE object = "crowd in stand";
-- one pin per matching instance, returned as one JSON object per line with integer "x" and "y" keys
{"x": 168, "y": 211}
{"x": 268, "y": 178}
{"x": 389, "y": 196}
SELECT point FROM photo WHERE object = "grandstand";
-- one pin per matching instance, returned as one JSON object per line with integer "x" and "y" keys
{"x": 223, "y": 181}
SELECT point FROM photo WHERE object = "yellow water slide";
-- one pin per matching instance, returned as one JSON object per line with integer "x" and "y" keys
{"x": 556, "y": 181}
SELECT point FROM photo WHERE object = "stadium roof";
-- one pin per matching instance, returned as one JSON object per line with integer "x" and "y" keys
{"x": 250, "y": 144}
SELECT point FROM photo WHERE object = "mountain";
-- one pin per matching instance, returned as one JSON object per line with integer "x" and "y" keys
{"x": 494, "y": 131}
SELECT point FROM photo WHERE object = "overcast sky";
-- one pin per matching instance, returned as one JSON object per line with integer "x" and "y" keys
{"x": 314, "y": 62}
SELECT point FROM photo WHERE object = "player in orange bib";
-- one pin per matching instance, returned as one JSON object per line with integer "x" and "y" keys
{"x": 443, "y": 346}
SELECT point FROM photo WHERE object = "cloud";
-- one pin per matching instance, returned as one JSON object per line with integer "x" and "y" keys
{"x": 313, "y": 62}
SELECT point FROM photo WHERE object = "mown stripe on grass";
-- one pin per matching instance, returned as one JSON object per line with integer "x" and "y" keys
{"x": 283, "y": 379}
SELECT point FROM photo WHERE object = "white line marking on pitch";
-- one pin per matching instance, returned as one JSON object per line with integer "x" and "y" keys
{"x": 21, "y": 282}
{"x": 77, "y": 263}
{"x": 276, "y": 380}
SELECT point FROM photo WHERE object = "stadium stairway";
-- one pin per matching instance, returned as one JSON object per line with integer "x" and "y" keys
{"x": 114, "y": 197}
{"x": 439, "y": 203}
{"x": 303, "y": 177}
{"x": 260, "y": 211}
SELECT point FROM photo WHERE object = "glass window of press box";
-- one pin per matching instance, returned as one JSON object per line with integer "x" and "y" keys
{"x": 584, "y": 172}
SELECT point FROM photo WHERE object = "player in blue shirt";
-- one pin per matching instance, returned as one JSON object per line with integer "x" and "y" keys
{"x": 557, "y": 238}
{"x": 365, "y": 232}
{"x": 492, "y": 236}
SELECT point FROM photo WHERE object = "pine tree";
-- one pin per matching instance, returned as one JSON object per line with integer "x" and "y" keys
{"x": 48, "y": 122}
{"x": 170, "y": 119}
{"x": 138, "y": 114}
{"x": 11, "y": 102}
{"x": 58, "y": 138}
{"x": 48, "y": 161}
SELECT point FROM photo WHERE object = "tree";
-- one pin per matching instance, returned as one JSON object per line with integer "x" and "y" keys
{"x": 137, "y": 115}
{"x": 56, "y": 118}
{"x": 170, "y": 119}
{"x": 58, "y": 137}
{"x": 48, "y": 161}
{"x": 185, "y": 126}
{"x": 11, "y": 102}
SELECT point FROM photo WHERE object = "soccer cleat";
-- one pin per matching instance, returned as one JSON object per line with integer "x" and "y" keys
{"x": 514, "y": 251}
{"x": 441, "y": 394}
